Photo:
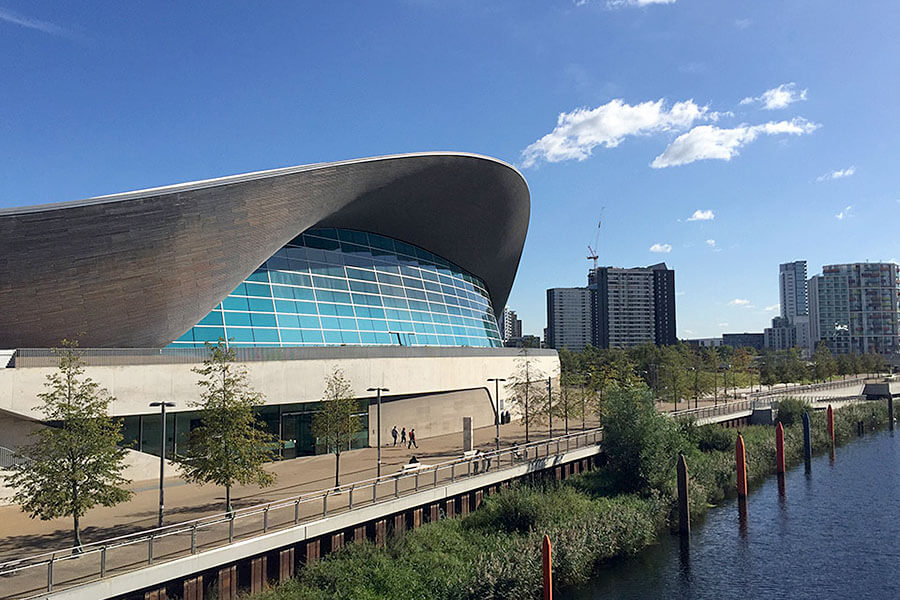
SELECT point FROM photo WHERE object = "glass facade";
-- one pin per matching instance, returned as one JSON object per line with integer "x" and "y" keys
{"x": 343, "y": 287}
{"x": 291, "y": 423}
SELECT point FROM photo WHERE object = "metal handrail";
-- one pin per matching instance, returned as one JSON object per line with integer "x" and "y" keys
{"x": 356, "y": 494}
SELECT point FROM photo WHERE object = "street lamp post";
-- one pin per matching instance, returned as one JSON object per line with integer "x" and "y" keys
{"x": 497, "y": 381}
{"x": 162, "y": 454}
{"x": 550, "y": 403}
{"x": 378, "y": 390}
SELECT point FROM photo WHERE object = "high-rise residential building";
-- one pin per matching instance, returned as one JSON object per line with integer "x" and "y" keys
{"x": 510, "y": 325}
{"x": 620, "y": 308}
{"x": 569, "y": 320}
{"x": 792, "y": 327}
{"x": 856, "y": 308}
{"x": 792, "y": 287}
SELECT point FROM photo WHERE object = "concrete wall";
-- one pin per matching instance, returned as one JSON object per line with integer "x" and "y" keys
{"x": 428, "y": 374}
{"x": 431, "y": 415}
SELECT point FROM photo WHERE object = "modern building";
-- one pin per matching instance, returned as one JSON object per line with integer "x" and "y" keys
{"x": 390, "y": 268}
{"x": 704, "y": 342}
{"x": 628, "y": 307}
{"x": 856, "y": 308}
{"x": 791, "y": 329}
{"x": 510, "y": 324}
{"x": 570, "y": 318}
{"x": 744, "y": 340}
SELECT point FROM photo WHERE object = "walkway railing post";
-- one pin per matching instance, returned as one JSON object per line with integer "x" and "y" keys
{"x": 231, "y": 527}
{"x": 350, "y": 502}
{"x": 266, "y": 519}
{"x": 50, "y": 573}
{"x": 194, "y": 539}
{"x": 150, "y": 550}
{"x": 102, "y": 562}
{"x": 296, "y": 511}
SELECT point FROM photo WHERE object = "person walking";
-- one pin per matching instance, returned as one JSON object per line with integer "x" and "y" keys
{"x": 412, "y": 439}
{"x": 403, "y": 436}
{"x": 394, "y": 434}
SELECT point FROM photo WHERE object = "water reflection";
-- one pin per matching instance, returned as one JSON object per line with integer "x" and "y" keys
{"x": 825, "y": 533}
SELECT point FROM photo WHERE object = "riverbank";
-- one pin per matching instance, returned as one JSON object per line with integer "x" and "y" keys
{"x": 615, "y": 511}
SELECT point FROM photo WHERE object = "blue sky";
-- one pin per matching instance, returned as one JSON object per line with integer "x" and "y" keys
{"x": 720, "y": 137}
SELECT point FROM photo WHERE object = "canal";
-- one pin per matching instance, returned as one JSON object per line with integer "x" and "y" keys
{"x": 834, "y": 534}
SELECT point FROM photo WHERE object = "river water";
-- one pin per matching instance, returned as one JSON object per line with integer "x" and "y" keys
{"x": 834, "y": 534}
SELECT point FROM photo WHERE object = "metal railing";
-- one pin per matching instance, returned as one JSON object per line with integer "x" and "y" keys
{"x": 9, "y": 458}
{"x": 739, "y": 406}
{"x": 54, "y": 570}
{"x": 831, "y": 385}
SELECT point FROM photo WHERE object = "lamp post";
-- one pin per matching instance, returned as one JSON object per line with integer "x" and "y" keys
{"x": 550, "y": 403}
{"x": 378, "y": 391}
{"x": 497, "y": 381}
{"x": 162, "y": 454}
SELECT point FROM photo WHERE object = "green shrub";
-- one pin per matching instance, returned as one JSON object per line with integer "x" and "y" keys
{"x": 790, "y": 411}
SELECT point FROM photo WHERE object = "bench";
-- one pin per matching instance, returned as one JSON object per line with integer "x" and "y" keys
{"x": 409, "y": 468}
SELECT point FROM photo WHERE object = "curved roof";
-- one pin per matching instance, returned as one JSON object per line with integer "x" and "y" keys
{"x": 138, "y": 269}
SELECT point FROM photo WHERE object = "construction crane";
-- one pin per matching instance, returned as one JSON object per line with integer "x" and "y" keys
{"x": 592, "y": 252}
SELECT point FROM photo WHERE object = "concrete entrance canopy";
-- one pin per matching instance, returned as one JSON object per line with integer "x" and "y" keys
{"x": 138, "y": 269}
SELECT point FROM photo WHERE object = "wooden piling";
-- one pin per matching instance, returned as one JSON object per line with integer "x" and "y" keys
{"x": 740, "y": 456}
{"x": 807, "y": 443}
{"x": 829, "y": 416}
{"x": 684, "y": 510}
{"x": 891, "y": 412}
{"x": 547, "y": 562}
{"x": 779, "y": 448}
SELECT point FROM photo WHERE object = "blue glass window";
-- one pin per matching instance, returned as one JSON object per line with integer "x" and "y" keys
{"x": 427, "y": 300}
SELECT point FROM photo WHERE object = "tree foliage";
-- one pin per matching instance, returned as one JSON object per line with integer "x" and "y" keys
{"x": 75, "y": 463}
{"x": 527, "y": 387}
{"x": 335, "y": 424}
{"x": 230, "y": 445}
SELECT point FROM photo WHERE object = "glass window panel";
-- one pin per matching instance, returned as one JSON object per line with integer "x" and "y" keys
{"x": 263, "y": 320}
{"x": 362, "y": 286}
{"x": 417, "y": 294}
{"x": 280, "y": 291}
{"x": 329, "y": 323}
{"x": 309, "y": 323}
{"x": 240, "y": 334}
{"x": 384, "y": 339}
{"x": 360, "y": 274}
{"x": 235, "y": 303}
{"x": 265, "y": 335}
{"x": 237, "y": 319}
{"x": 261, "y": 305}
{"x": 327, "y": 309}
{"x": 350, "y": 337}
{"x": 258, "y": 289}
{"x": 288, "y": 321}
{"x": 285, "y": 306}
{"x": 344, "y": 310}
{"x": 310, "y": 336}
{"x": 333, "y": 337}
{"x": 208, "y": 334}
{"x": 306, "y": 308}
{"x": 304, "y": 294}
{"x": 213, "y": 318}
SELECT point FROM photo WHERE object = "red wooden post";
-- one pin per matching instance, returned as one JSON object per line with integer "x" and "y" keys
{"x": 548, "y": 568}
{"x": 779, "y": 448}
{"x": 740, "y": 456}
{"x": 830, "y": 416}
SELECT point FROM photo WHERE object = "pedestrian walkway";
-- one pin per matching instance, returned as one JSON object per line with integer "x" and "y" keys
{"x": 186, "y": 501}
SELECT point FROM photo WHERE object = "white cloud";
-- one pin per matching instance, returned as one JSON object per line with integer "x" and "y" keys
{"x": 743, "y": 23}
{"x": 621, "y": 3}
{"x": 779, "y": 97}
{"x": 663, "y": 248}
{"x": 702, "y": 215}
{"x": 36, "y": 24}
{"x": 847, "y": 212}
{"x": 739, "y": 302}
{"x": 711, "y": 243}
{"x": 578, "y": 132}
{"x": 773, "y": 308}
{"x": 839, "y": 174}
{"x": 711, "y": 142}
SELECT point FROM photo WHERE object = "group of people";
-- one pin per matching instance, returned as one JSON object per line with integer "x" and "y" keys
{"x": 408, "y": 439}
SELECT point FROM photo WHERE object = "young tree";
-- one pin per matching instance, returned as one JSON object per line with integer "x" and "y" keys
{"x": 76, "y": 463}
{"x": 569, "y": 404}
{"x": 230, "y": 446}
{"x": 824, "y": 364}
{"x": 335, "y": 425}
{"x": 527, "y": 385}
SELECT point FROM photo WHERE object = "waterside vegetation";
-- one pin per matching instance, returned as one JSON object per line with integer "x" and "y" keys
{"x": 614, "y": 511}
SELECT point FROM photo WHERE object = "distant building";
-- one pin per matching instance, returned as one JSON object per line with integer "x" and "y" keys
{"x": 744, "y": 340}
{"x": 619, "y": 308}
{"x": 510, "y": 325}
{"x": 782, "y": 335}
{"x": 569, "y": 318}
{"x": 524, "y": 341}
{"x": 791, "y": 329}
{"x": 704, "y": 342}
{"x": 856, "y": 308}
